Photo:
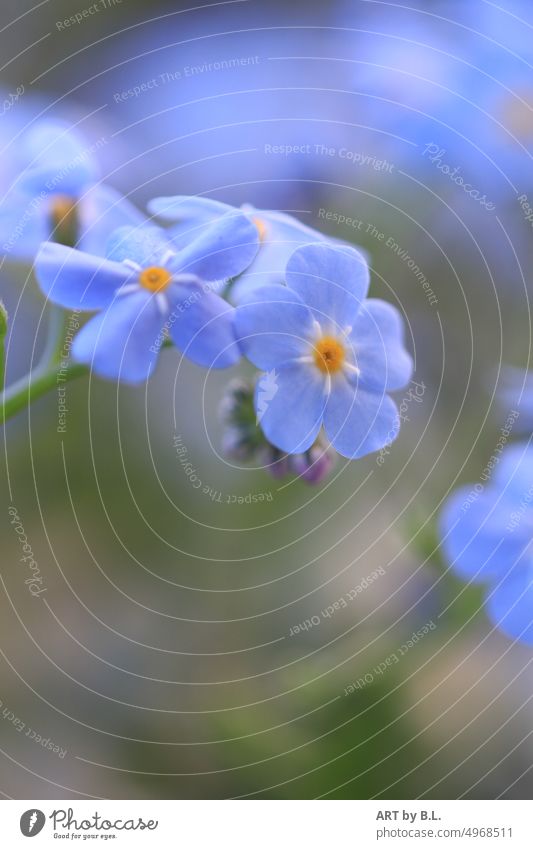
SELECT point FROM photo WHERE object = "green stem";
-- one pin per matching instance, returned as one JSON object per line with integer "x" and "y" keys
{"x": 43, "y": 379}
{"x": 49, "y": 372}
{"x": 54, "y": 337}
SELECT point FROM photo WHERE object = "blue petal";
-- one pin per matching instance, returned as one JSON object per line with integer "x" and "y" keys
{"x": 102, "y": 210}
{"x": 273, "y": 327}
{"x": 187, "y": 215}
{"x": 516, "y": 394}
{"x": 514, "y": 472}
{"x": 510, "y": 605}
{"x": 476, "y": 535}
{"x": 145, "y": 245}
{"x": 221, "y": 250}
{"x": 290, "y": 403}
{"x": 58, "y": 160}
{"x": 202, "y": 326}
{"x": 332, "y": 280}
{"x": 122, "y": 342}
{"x": 377, "y": 339}
{"x": 280, "y": 235}
{"x": 185, "y": 208}
{"x": 358, "y": 422}
{"x": 78, "y": 280}
{"x": 23, "y": 226}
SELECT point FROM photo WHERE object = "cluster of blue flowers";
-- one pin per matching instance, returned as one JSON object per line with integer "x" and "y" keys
{"x": 219, "y": 283}
{"x": 222, "y": 284}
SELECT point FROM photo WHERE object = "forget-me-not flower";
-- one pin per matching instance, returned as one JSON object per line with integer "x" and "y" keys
{"x": 487, "y": 537}
{"x": 334, "y": 354}
{"x": 145, "y": 290}
{"x": 279, "y": 235}
{"x": 57, "y": 195}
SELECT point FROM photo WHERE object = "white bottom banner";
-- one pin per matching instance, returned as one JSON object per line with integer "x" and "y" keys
{"x": 263, "y": 824}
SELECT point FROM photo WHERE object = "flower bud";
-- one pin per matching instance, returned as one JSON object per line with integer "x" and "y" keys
{"x": 243, "y": 440}
{"x": 314, "y": 465}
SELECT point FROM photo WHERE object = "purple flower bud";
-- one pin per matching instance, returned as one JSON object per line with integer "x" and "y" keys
{"x": 315, "y": 465}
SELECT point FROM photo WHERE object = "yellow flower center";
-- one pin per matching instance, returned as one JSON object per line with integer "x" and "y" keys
{"x": 155, "y": 278}
{"x": 261, "y": 228}
{"x": 63, "y": 219}
{"x": 329, "y": 354}
{"x": 61, "y": 206}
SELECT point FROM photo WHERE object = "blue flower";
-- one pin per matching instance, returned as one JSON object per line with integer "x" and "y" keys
{"x": 515, "y": 397}
{"x": 146, "y": 290}
{"x": 234, "y": 96}
{"x": 472, "y": 103}
{"x": 487, "y": 536}
{"x": 279, "y": 234}
{"x": 332, "y": 354}
{"x": 56, "y": 195}
{"x": 242, "y": 440}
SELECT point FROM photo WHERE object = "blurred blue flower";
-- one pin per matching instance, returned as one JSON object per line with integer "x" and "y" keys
{"x": 56, "y": 195}
{"x": 279, "y": 235}
{"x": 147, "y": 289}
{"x": 495, "y": 111}
{"x": 407, "y": 73}
{"x": 515, "y": 395}
{"x": 487, "y": 536}
{"x": 458, "y": 82}
{"x": 236, "y": 95}
{"x": 331, "y": 354}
